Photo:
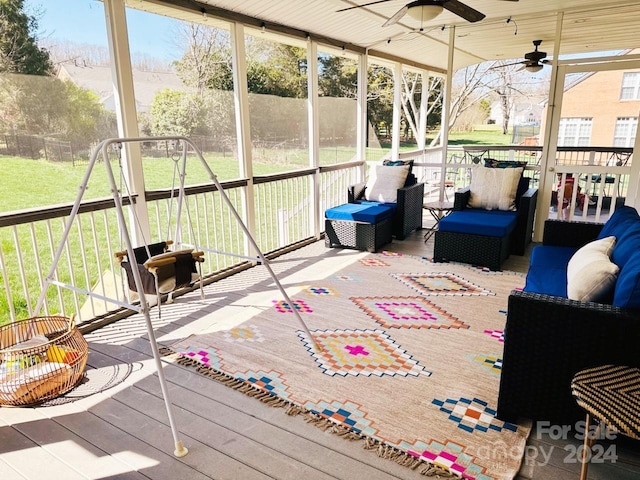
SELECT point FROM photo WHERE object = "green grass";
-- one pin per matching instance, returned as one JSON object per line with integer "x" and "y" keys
{"x": 482, "y": 135}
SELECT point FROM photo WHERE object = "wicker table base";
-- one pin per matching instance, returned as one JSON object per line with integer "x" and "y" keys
{"x": 357, "y": 235}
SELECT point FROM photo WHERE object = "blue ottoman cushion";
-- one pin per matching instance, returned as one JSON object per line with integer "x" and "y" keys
{"x": 490, "y": 223}
{"x": 360, "y": 212}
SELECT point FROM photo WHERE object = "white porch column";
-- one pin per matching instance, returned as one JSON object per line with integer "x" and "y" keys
{"x": 397, "y": 110}
{"x": 633, "y": 192}
{"x": 421, "y": 134}
{"x": 446, "y": 110}
{"x": 243, "y": 131}
{"x": 362, "y": 122}
{"x": 125, "y": 104}
{"x": 313, "y": 113}
{"x": 550, "y": 138}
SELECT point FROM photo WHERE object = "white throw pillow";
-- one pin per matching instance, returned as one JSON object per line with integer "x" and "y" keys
{"x": 591, "y": 275}
{"x": 384, "y": 183}
{"x": 494, "y": 188}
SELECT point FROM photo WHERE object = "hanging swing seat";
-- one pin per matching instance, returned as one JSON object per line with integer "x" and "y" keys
{"x": 162, "y": 271}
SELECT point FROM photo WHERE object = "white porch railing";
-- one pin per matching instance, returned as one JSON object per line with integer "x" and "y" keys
{"x": 28, "y": 238}
{"x": 285, "y": 207}
{"x": 602, "y": 173}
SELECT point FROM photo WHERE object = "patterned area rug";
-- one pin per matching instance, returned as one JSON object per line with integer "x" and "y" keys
{"x": 410, "y": 361}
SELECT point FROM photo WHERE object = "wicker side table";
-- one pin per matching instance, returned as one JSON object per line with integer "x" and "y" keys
{"x": 610, "y": 394}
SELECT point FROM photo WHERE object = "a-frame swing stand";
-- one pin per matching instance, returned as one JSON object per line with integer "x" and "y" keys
{"x": 102, "y": 150}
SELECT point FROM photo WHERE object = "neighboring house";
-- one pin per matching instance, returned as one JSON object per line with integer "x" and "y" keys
{"x": 98, "y": 79}
{"x": 527, "y": 112}
{"x": 601, "y": 109}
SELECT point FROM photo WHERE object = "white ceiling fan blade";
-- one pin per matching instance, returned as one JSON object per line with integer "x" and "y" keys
{"x": 397, "y": 16}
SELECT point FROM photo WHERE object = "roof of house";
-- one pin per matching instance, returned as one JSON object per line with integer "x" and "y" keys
{"x": 97, "y": 78}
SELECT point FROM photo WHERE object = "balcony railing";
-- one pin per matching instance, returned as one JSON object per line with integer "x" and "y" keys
{"x": 285, "y": 210}
{"x": 284, "y": 206}
{"x": 603, "y": 173}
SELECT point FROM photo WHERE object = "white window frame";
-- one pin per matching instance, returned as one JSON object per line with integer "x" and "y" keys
{"x": 575, "y": 132}
{"x": 630, "y": 88}
{"x": 624, "y": 134}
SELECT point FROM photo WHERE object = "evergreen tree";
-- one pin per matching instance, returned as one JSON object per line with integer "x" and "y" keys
{"x": 19, "y": 52}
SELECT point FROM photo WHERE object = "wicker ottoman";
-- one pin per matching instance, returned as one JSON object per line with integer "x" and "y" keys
{"x": 362, "y": 226}
{"x": 478, "y": 237}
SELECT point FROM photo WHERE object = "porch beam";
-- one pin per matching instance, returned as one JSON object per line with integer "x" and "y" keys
{"x": 243, "y": 128}
{"x": 362, "y": 123}
{"x": 550, "y": 137}
{"x": 397, "y": 110}
{"x": 125, "y": 104}
{"x": 446, "y": 112}
{"x": 313, "y": 113}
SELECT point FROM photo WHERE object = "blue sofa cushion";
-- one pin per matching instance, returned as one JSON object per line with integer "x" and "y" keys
{"x": 490, "y": 223}
{"x": 627, "y": 242}
{"x": 368, "y": 212}
{"x": 548, "y": 270}
{"x": 627, "y": 292}
{"x": 617, "y": 224}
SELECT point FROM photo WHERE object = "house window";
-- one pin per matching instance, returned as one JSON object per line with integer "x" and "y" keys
{"x": 630, "y": 86}
{"x": 574, "y": 132}
{"x": 625, "y": 132}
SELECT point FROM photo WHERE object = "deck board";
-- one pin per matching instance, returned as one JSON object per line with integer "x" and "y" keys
{"x": 120, "y": 428}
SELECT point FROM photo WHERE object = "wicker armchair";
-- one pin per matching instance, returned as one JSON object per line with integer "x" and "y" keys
{"x": 549, "y": 339}
{"x": 408, "y": 214}
{"x": 485, "y": 250}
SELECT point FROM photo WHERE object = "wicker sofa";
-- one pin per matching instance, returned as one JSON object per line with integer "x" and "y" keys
{"x": 549, "y": 338}
{"x": 479, "y": 236}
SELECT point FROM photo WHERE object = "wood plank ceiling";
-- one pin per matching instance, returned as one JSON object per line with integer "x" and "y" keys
{"x": 506, "y": 32}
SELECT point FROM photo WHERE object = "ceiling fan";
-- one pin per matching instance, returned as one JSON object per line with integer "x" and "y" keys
{"x": 425, "y": 10}
{"x": 533, "y": 61}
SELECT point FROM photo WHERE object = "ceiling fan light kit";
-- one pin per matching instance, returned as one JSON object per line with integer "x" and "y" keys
{"x": 536, "y": 67}
{"x": 424, "y": 13}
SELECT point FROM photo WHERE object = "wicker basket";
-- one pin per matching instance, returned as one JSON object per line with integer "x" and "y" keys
{"x": 40, "y": 358}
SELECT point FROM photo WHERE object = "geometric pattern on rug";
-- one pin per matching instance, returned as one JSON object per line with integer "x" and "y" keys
{"x": 269, "y": 382}
{"x": 407, "y": 312}
{"x": 346, "y": 278}
{"x": 348, "y": 414}
{"x": 244, "y": 334}
{"x": 386, "y": 253}
{"x": 320, "y": 291}
{"x": 207, "y": 356}
{"x": 451, "y": 456}
{"x": 373, "y": 262}
{"x": 361, "y": 352}
{"x": 473, "y": 415}
{"x": 497, "y": 334}
{"x": 440, "y": 284}
{"x": 491, "y": 362}
{"x": 284, "y": 307}
{"x": 384, "y": 402}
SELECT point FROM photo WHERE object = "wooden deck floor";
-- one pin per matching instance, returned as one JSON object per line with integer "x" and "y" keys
{"x": 114, "y": 426}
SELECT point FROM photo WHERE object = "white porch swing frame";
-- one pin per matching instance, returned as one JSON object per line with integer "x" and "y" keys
{"x": 143, "y": 307}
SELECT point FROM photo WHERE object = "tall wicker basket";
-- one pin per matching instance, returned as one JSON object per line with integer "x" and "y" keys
{"x": 40, "y": 358}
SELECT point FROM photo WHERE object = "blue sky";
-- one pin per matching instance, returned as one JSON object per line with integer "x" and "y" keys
{"x": 82, "y": 21}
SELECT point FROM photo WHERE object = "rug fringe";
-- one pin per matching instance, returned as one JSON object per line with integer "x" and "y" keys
{"x": 381, "y": 449}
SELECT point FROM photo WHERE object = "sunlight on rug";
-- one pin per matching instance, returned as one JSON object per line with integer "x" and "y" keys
{"x": 410, "y": 362}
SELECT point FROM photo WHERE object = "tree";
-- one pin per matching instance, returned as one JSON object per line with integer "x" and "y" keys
{"x": 174, "y": 113}
{"x": 19, "y": 52}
